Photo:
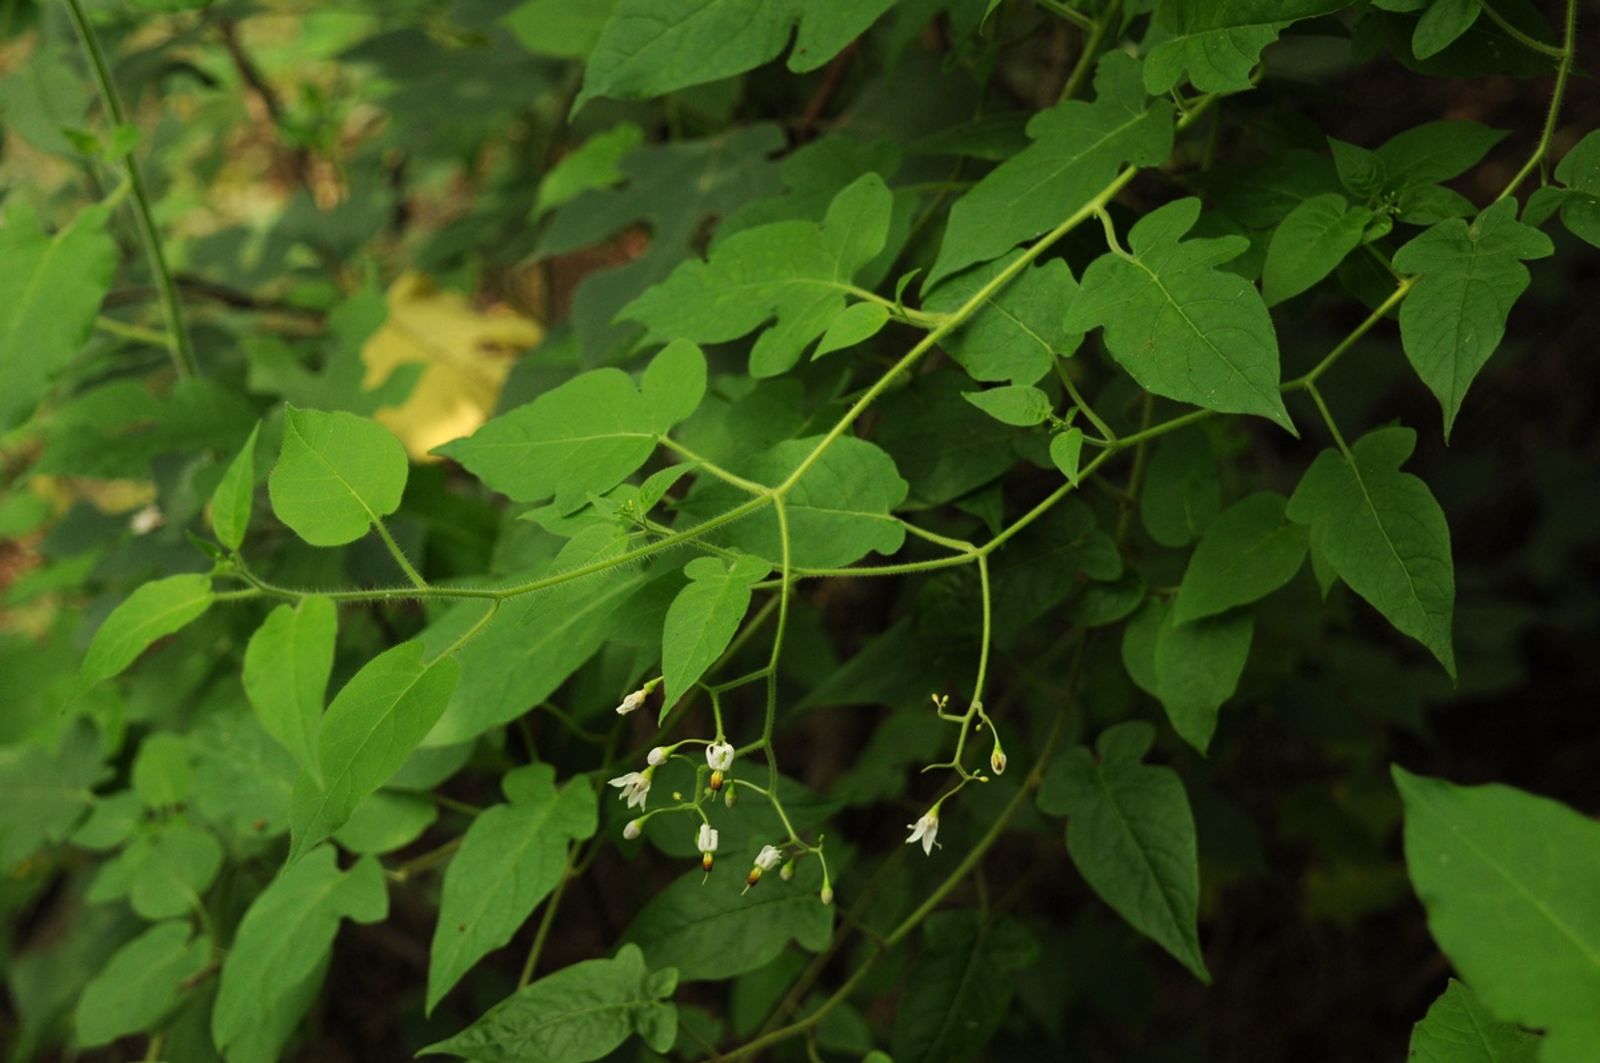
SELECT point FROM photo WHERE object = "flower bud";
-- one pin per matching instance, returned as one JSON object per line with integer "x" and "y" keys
{"x": 826, "y": 896}
{"x": 788, "y": 871}
{"x": 633, "y": 701}
{"x": 997, "y": 761}
{"x": 657, "y": 756}
{"x": 633, "y": 829}
{"x": 719, "y": 756}
{"x": 753, "y": 877}
{"x": 730, "y": 798}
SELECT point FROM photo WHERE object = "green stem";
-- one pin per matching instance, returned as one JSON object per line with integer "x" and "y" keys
{"x": 1522, "y": 38}
{"x": 548, "y": 917}
{"x": 177, "y": 338}
{"x": 1563, "y": 69}
{"x": 1091, "y": 50}
{"x": 1081, "y": 403}
{"x": 1327, "y": 419}
{"x": 399, "y": 555}
{"x": 1378, "y": 314}
{"x": 136, "y": 333}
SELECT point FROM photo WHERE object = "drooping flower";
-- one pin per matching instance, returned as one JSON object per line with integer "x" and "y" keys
{"x": 635, "y": 787}
{"x": 769, "y": 857}
{"x": 826, "y": 896}
{"x": 997, "y": 761}
{"x": 925, "y": 830}
{"x": 633, "y": 829}
{"x": 632, "y": 701}
{"x": 719, "y": 755}
{"x": 706, "y": 840}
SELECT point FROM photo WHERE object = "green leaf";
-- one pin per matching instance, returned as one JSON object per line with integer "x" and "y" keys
{"x": 140, "y": 983}
{"x": 652, "y": 47}
{"x": 153, "y": 611}
{"x": 1065, "y": 451}
{"x": 286, "y": 668}
{"x": 712, "y": 931}
{"x": 703, "y": 619}
{"x": 839, "y": 511}
{"x": 43, "y": 794}
{"x": 1309, "y": 243}
{"x": 857, "y": 323}
{"x": 1507, "y": 879}
{"x": 796, "y": 274}
{"x": 1459, "y": 1029}
{"x": 566, "y": 29}
{"x": 1016, "y": 334}
{"x": 1247, "y": 552}
{"x": 161, "y": 775}
{"x": 1453, "y": 319}
{"x": 674, "y": 383}
{"x": 1077, "y": 150}
{"x": 512, "y": 856}
{"x": 387, "y": 820}
{"x": 587, "y": 435}
{"x": 373, "y": 725}
{"x": 242, "y": 777}
{"x": 593, "y": 164}
{"x": 959, "y": 987}
{"x": 675, "y": 190}
{"x": 580, "y": 1013}
{"x": 54, "y": 287}
{"x": 1579, "y": 170}
{"x": 1016, "y": 405}
{"x": 231, "y": 501}
{"x": 1435, "y": 151}
{"x": 163, "y": 872}
{"x": 286, "y": 933}
{"x": 534, "y": 642}
{"x": 336, "y": 475}
{"x": 1218, "y": 41}
{"x": 1384, "y": 535}
{"x": 1131, "y": 835}
{"x": 1182, "y": 328}
{"x": 1441, "y": 24}
{"x": 1191, "y": 668}
{"x": 1182, "y": 491}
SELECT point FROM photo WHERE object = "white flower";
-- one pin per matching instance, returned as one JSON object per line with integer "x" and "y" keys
{"x": 720, "y": 756}
{"x": 997, "y": 761}
{"x": 657, "y": 756}
{"x": 632, "y": 701}
{"x": 635, "y": 787}
{"x": 146, "y": 520}
{"x": 706, "y": 840}
{"x": 632, "y": 830}
{"x": 769, "y": 857}
{"x": 925, "y": 830}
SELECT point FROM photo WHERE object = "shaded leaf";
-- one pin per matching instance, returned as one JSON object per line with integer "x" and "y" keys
{"x": 1382, "y": 532}
{"x": 1131, "y": 835}
{"x": 580, "y": 1013}
{"x": 153, "y": 611}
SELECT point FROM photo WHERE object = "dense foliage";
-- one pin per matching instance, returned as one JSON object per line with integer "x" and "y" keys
{"x": 643, "y": 529}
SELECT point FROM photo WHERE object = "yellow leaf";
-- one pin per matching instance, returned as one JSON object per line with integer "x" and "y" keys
{"x": 467, "y": 353}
